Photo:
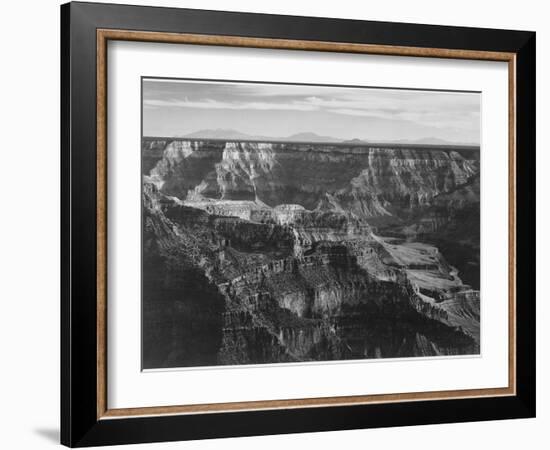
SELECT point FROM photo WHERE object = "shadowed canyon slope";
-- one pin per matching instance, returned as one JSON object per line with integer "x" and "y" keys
{"x": 259, "y": 252}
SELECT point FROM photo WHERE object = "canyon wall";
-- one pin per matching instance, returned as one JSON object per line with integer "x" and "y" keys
{"x": 369, "y": 181}
{"x": 275, "y": 252}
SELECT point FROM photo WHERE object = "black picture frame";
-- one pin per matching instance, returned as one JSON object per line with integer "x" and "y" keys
{"x": 80, "y": 425}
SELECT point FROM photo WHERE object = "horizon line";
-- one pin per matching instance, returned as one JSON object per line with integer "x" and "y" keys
{"x": 350, "y": 143}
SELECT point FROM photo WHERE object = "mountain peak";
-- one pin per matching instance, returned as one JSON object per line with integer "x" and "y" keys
{"x": 218, "y": 133}
{"x": 311, "y": 137}
{"x": 228, "y": 133}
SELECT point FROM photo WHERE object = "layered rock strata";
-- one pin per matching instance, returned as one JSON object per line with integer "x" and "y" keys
{"x": 274, "y": 252}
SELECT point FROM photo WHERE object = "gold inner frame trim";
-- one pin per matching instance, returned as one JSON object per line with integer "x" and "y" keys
{"x": 103, "y": 36}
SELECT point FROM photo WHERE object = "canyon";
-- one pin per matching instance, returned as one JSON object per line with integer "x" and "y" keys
{"x": 271, "y": 252}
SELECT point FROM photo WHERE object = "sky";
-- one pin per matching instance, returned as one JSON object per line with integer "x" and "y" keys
{"x": 179, "y": 107}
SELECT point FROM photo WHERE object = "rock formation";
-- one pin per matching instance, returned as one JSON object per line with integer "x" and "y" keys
{"x": 278, "y": 252}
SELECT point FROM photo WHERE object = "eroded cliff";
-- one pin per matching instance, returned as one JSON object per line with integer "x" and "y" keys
{"x": 274, "y": 252}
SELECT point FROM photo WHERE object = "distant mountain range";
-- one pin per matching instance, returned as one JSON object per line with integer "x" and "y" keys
{"x": 221, "y": 133}
{"x": 230, "y": 134}
{"x": 429, "y": 141}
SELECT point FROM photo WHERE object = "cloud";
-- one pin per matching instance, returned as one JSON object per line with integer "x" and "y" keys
{"x": 215, "y": 104}
{"x": 424, "y": 108}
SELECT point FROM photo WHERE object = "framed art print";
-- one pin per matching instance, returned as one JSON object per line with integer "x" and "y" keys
{"x": 277, "y": 224}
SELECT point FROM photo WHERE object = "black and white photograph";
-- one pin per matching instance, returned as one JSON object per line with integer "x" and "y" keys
{"x": 275, "y": 225}
{"x": 303, "y": 223}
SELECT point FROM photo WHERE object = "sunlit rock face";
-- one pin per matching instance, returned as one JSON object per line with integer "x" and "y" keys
{"x": 283, "y": 252}
{"x": 369, "y": 180}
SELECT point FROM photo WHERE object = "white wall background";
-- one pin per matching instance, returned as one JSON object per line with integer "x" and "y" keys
{"x": 29, "y": 224}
